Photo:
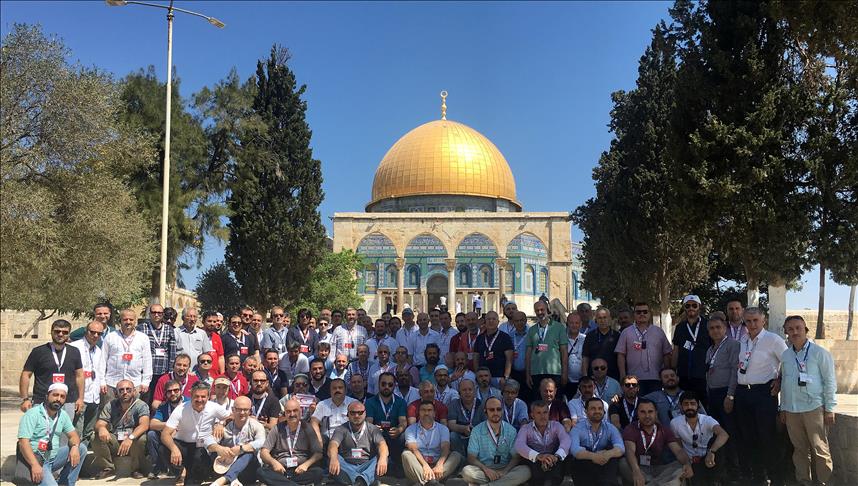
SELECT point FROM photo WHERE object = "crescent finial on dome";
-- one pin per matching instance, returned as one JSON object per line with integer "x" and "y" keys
{"x": 444, "y": 105}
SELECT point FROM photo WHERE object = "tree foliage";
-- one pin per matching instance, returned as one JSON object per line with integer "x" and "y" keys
{"x": 217, "y": 290}
{"x": 70, "y": 226}
{"x": 332, "y": 282}
{"x": 276, "y": 233}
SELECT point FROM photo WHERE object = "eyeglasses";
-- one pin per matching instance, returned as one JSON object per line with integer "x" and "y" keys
{"x": 641, "y": 311}
{"x": 264, "y": 380}
{"x": 156, "y": 312}
{"x": 691, "y": 305}
{"x": 240, "y": 410}
{"x": 357, "y": 412}
{"x": 493, "y": 409}
{"x": 95, "y": 333}
{"x": 600, "y": 368}
{"x": 61, "y": 332}
{"x": 123, "y": 390}
{"x": 694, "y": 441}
{"x": 174, "y": 390}
{"x": 630, "y": 385}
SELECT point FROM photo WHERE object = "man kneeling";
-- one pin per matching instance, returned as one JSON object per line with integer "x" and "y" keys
{"x": 120, "y": 435}
{"x": 491, "y": 454}
{"x": 357, "y": 452}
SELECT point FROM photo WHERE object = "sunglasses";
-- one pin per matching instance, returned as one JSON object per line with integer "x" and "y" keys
{"x": 630, "y": 385}
{"x": 642, "y": 311}
{"x": 156, "y": 312}
{"x": 493, "y": 409}
{"x": 276, "y": 315}
{"x": 600, "y": 368}
{"x": 174, "y": 390}
{"x": 95, "y": 333}
{"x": 60, "y": 332}
{"x": 691, "y": 305}
{"x": 694, "y": 441}
{"x": 357, "y": 412}
{"x": 205, "y": 361}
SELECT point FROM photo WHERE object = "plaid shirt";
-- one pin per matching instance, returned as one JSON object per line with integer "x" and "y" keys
{"x": 167, "y": 337}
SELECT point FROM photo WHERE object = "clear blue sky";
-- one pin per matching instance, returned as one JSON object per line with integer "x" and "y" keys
{"x": 535, "y": 78}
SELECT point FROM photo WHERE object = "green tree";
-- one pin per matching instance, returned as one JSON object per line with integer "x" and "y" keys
{"x": 196, "y": 190}
{"x": 69, "y": 223}
{"x": 217, "y": 290}
{"x": 638, "y": 242}
{"x": 332, "y": 283}
{"x": 276, "y": 233}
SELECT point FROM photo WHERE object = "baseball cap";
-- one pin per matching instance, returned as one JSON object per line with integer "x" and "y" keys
{"x": 691, "y": 297}
{"x": 221, "y": 381}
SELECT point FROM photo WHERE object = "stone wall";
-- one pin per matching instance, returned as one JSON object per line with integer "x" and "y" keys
{"x": 845, "y": 354}
{"x": 843, "y": 440}
{"x": 835, "y": 322}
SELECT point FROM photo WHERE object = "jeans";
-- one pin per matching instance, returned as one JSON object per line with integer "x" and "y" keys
{"x": 158, "y": 454}
{"x": 60, "y": 462}
{"x": 243, "y": 468}
{"x": 195, "y": 460}
{"x": 349, "y": 473}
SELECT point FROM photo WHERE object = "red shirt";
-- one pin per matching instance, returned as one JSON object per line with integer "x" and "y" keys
{"x": 440, "y": 410}
{"x": 663, "y": 436}
{"x": 216, "y": 352}
{"x": 190, "y": 379}
{"x": 238, "y": 387}
{"x": 464, "y": 342}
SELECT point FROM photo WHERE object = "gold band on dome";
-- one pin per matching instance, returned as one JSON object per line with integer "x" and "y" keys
{"x": 444, "y": 157}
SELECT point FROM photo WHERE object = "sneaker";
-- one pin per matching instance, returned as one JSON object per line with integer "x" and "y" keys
{"x": 235, "y": 482}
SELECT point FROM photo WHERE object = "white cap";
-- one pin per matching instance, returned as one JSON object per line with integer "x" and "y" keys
{"x": 691, "y": 297}
{"x": 439, "y": 368}
{"x": 59, "y": 386}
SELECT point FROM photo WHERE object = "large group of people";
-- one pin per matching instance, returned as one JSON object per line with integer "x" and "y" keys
{"x": 434, "y": 398}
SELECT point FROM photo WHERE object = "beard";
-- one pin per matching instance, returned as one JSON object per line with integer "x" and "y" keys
{"x": 691, "y": 413}
{"x": 55, "y": 406}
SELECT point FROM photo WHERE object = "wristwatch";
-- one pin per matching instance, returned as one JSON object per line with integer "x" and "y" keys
{"x": 131, "y": 436}
{"x": 731, "y": 397}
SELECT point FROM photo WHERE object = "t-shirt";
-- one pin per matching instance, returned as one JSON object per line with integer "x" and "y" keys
{"x": 35, "y": 425}
{"x": 428, "y": 440}
{"x": 695, "y": 367}
{"x": 357, "y": 446}
{"x": 644, "y": 351}
{"x": 120, "y": 422}
{"x": 628, "y": 412}
{"x": 264, "y": 408}
{"x": 704, "y": 430}
{"x": 598, "y": 345}
{"x": 470, "y": 416}
{"x": 43, "y": 363}
{"x": 186, "y": 384}
{"x": 166, "y": 408}
{"x": 194, "y": 427}
{"x": 385, "y": 415}
{"x": 233, "y": 345}
{"x": 574, "y": 357}
{"x": 492, "y": 351}
{"x": 440, "y": 410}
{"x": 657, "y": 448}
{"x": 543, "y": 344}
{"x": 304, "y": 443}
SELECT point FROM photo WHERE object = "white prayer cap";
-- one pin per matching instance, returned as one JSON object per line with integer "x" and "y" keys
{"x": 59, "y": 386}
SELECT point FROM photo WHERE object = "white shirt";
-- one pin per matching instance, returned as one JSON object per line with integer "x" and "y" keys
{"x": 343, "y": 337}
{"x": 196, "y": 427}
{"x": 403, "y": 335}
{"x": 417, "y": 343}
{"x": 446, "y": 337}
{"x": 93, "y": 360}
{"x": 761, "y": 358}
{"x": 413, "y": 394}
{"x": 467, "y": 375}
{"x": 573, "y": 349}
{"x": 578, "y": 412}
{"x": 374, "y": 342}
{"x": 447, "y": 396}
{"x": 705, "y": 430}
{"x": 301, "y": 365}
{"x": 193, "y": 343}
{"x": 375, "y": 371}
{"x": 117, "y": 347}
{"x": 336, "y": 415}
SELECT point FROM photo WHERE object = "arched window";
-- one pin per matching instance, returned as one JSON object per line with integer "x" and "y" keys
{"x": 464, "y": 274}
{"x": 529, "y": 279}
{"x": 413, "y": 276}
{"x": 391, "y": 272}
{"x": 543, "y": 281}
{"x": 371, "y": 278}
{"x": 486, "y": 276}
{"x": 509, "y": 275}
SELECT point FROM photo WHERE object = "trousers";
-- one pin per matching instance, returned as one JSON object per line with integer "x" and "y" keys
{"x": 810, "y": 442}
{"x": 271, "y": 478}
{"x": 59, "y": 463}
{"x": 658, "y": 475}
{"x": 756, "y": 413}
{"x": 588, "y": 473}
{"x": 414, "y": 471}
{"x": 106, "y": 456}
{"x": 195, "y": 459}
{"x": 515, "y": 476}
{"x": 349, "y": 473}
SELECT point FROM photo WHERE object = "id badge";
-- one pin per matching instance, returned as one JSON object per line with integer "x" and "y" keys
{"x": 689, "y": 345}
{"x": 160, "y": 352}
{"x": 471, "y": 356}
{"x": 515, "y": 355}
{"x": 304, "y": 348}
{"x": 644, "y": 460}
{"x": 638, "y": 345}
{"x": 127, "y": 357}
{"x": 291, "y": 462}
{"x": 497, "y": 459}
{"x": 490, "y": 355}
{"x": 58, "y": 378}
{"x": 243, "y": 350}
{"x": 804, "y": 378}
{"x": 542, "y": 347}
{"x": 357, "y": 453}
{"x": 385, "y": 424}
{"x": 348, "y": 345}
{"x": 43, "y": 445}
{"x": 429, "y": 459}
{"x": 120, "y": 436}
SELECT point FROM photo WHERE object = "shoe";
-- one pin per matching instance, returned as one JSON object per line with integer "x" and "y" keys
{"x": 103, "y": 474}
{"x": 235, "y": 482}
{"x": 154, "y": 476}
{"x": 138, "y": 475}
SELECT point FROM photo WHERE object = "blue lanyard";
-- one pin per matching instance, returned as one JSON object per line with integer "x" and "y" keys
{"x": 802, "y": 367}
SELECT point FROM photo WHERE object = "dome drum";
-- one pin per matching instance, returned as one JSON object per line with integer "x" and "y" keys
{"x": 440, "y": 203}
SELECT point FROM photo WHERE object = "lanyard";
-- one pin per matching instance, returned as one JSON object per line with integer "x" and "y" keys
{"x": 232, "y": 385}
{"x": 290, "y": 442}
{"x": 126, "y": 340}
{"x": 261, "y": 402}
{"x": 360, "y": 433}
{"x": 272, "y": 377}
{"x": 468, "y": 416}
{"x": 669, "y": 401}
{"x": 184, "y": 383}
{"x": 239, "y": 341}
{"x": 517, "y": 342}
{"x": 158, "y": 338}
{"x": 629, "y": 411}
{"x": 91, "y": 352}
{"x": 541, "y": 332}
{"x": 641, "y": 335}
{"x": 595, "y": 439}
{"x": 737, "y": 333}
{"x": 428, "y": 443}
{"x": 61, "y": 360}
{"x": 50, "y": 424}
{"x": 510, "y": 414}
{"x": 363, "y": 371}
{"x": 695, "y": 332}
{"x": 386, "y": 410}
{"x": 495, "y": 438}
{"x": 750, "y": 351}
{"x": 472, "y": 341}
{"x": 440, "y": 396}
{"x": 802, "y": 366}
{"x": 573, "y": 345}
{"x": 715, "y": 353}
{"x": 490, "y": 345}
{"x": 652, "y": 440}
{"x": 122, "y": 418}
{"x": 600, "y": 391}
{"x": 239, "y": 437}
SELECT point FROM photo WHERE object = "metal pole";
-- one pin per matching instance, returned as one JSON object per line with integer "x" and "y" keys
{"x": 165, "y": 201}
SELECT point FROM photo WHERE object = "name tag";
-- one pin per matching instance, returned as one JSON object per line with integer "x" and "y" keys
{"x": 515, "y": 355}
{"x": 490, "y": 355}
{"x": 689, "y": 345}
{"x": 43, "y": 445}
{"x": 127, "y": 357}
{"x": 542, "y": 347}
{"x": 385, "y": 424}
{"x": 644, "y": 460}
{"x": 160, "y": 352}
{"x": 242, "y": 350}
{"x": 291, "y": 462}
{"x": 304, "y": 348}
{"x": 429, "y": 459}
{"x": 122, "y": 435}
{"x": 348, "y": 345}
{"x": 58, "y": 378}
{"x": 88, "y": 374}
{"x": 804, "y": 378}
{"x": 357, "y": 453}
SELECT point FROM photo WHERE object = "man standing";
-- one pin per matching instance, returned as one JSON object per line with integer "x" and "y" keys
{"x": 181, "y": 367}
{"x": 721, "y": 381}
{"x": 238, "y": 341}
{"x": 808, "y": 398}
{"x": 120, "y": 435}
{"x": 494, "y": 351}
{"x": 600, "y": 344}
{"x": 93, "y": 374}
{"x": 242, "y": 437}
{"x": 545, "y": 443}
{"x": 418, "y": 341}
{"x": 264, "y": 406}
{"x": 597, "y": 445}
{"x": 432, "y": 355}
{"x": 237, "y": 382}
{"x": 291, "y": 452}
{"x": 624, "y": 319}
{"x": 516, "y": 328}
{"x": 190, "y": 339}
{"x": 574, "y": 350}
{"x": 346, "y": 338}
{"x": 643, "y": 350}
{"x": 625, "y": 410}
{"x": 696, "y": 431}
{"x": 428, "y": 456}
{"x": 547, "y": 347}
{"x": 276, "y": 336}
{"x": 101, "y": 312}
{"x": 303, "y": 335}
{"x": 39, "y": 454}
{"x": 491, "y": 452}
{"x": 357, "y": 452}
{"x": 588, "y": 324}
{"x": 162, "y": 346}
{"x": 465, "y": 341}
{"x": 447, "y": 333}
{"x": 54, "y": 362}
{"x": 646, "y": 443}
{"x": 690, "y": 343}
{"x": 211, "y": 326}
{"x": 735, "y": 320}
{"x": 403, "y": 334}
{"x": 331, "y": 412}
{"x": 756, "y": 402}
{"x": 362, "y": 365}
{"x": 127, "y": 355}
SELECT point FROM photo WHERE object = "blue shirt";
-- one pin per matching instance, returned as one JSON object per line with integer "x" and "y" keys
{"x": 820, "y": 386}
{"x": 375, "y": 410}
{"x": 428, "y": 441}
{"x": 516, "y": 414}
{"x": 583, "y": 438}
{"x": 483, "y": 446}
{"x": 519, "y": 345}
{"x": 166, "y": 408}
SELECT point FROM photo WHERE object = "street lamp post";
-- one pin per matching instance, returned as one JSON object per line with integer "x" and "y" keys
{"x": 165, "y": 196}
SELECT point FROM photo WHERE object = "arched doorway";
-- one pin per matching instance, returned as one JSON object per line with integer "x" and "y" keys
{"x": 436, "y": 287}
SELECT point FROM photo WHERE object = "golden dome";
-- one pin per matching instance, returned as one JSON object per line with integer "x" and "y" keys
{"x": 444, "y": 157}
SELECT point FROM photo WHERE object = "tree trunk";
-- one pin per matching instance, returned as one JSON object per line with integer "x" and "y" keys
{"x": 820, "y": 312}
{"x": 851, "y": 317}
{"x": 777, "y": 306}
{"x": 753, "y": 291}
{"x": 664, "y": 311}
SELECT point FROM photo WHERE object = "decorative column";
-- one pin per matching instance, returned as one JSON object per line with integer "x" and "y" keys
{"x": 400, "y": 284}
{"x": 424, "y": 300}
{"x": 501, "y": 263}
{"x": 451, "y": 285}
{"x": 380, "y": 298}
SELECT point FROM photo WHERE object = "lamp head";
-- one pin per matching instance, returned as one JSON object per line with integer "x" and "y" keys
{"x": 217, "y": 23}
{"x": 116, "y": 3}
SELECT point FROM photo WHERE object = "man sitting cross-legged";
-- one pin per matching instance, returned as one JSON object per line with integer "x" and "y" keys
{"x": 428, "y": 456}
{"x": 292, "y": 451}
{"x": 597, "y": 447}
{"x": 491, "y": 453}
{"x": 357, "y": 452}
{"x": 545, "y": 444}
{"x": 120, "y": 435}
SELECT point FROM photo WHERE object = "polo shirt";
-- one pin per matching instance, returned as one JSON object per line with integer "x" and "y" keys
{"x": 441, "y": 411}
{"x": 417, "y": 343}
{"x": 366, "y": 438}
{"x": 217, "y": 350}
{"x": 462, "y": 416}
{"x": 43, "y": 363}
{"x": 644, "y": 363}
{"x": 120, "y": 422}
{"x": 492, "y": 351}
{"x": 704, "y": 430}
{"x": 93, "y": 370}
{"x": 820, "y": 386}
{"x": 482, "y": 444}
{"x": 234, "y": 345}
{"x": 760, "y": 358}
{"x": 530, "y": 443}
{"x": 237, "y": 386}
{"x": 186, "y": 384}
{"x": 275, "y": 339}
{"x": 598, "y": 345}
{"x": 35, "y": 425}
{"x": 547, "y": 361}
{"x": 658, "y": 447}
{"x": 279, "y": 443}
{"x": 574, "y": 349}
{"x": 428, "y": 440}
{"x": 193, "y": 343}
{"x": 385, "y": 415}
{"x": 194, "y": 427}
{"x": 332, "y": 416}
{"x": 583, "y": 437}
{"x": 692, "y": 363}
{"x": 265, "y": 407}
